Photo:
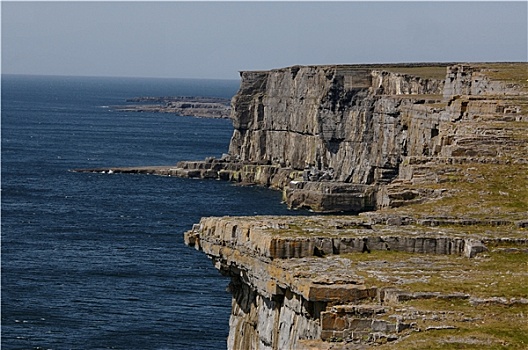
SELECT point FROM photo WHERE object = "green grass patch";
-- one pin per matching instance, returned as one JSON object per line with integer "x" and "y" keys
{"x": 477, "y": 327}
{"x": 514, "y": 73}
{"x": 496, "y": 273}
{"x": 485, "y": 191}
{"x": 481, "y": 338}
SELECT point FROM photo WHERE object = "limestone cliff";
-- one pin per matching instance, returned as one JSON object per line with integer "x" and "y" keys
{"x": 440, "y": 151}
{"x": 334, "y": 138}
{"x": 337, "y": 118}
{"x": 352, "y": 138}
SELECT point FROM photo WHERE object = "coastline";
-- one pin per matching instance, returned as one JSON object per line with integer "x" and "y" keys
{"x": 434, "y": 157}
{"x": 193, "y": 106}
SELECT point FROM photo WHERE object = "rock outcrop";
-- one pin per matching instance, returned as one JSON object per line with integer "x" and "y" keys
{"x": 305, "y": 283}
{"x": 193, "y": 106}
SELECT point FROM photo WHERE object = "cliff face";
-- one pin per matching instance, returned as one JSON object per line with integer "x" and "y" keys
{"x": 440, "y": 151}
{"x": 342, "y": 138}
{"x": 337, "y": 119}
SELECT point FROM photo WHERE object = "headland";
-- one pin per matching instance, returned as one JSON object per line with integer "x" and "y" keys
{"x": 192, "y": 106}
{"x": 431, "y": 160}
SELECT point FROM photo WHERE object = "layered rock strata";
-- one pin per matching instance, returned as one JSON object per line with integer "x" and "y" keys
{"x": 335, "y": 138}
{"x": 300, "y": 283}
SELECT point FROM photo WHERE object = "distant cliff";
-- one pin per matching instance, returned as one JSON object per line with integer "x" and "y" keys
{"x": 193, "y": 106}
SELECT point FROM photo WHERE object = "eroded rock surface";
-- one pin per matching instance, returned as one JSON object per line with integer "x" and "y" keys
{"x": 299, "y": 282}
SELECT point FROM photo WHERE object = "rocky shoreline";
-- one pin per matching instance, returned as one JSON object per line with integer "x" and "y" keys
{"x": 202, "y": 107}
{"x": 434, "y": 157}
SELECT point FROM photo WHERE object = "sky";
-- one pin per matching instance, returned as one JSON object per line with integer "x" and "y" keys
{"x": 216, "y": 40}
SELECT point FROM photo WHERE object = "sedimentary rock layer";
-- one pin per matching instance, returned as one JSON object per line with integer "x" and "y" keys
{"x": 298, "y": 282}
{"x": 344, "y": 134}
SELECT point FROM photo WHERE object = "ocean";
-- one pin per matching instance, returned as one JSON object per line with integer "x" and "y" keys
{"x": 97, "y": 261}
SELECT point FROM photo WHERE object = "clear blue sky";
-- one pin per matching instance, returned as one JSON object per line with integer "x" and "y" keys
{"x": 218, "y": 39}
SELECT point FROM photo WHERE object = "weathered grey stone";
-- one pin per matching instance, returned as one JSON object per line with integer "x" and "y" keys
{"x": 383, "y": 326}
{"x": 473, "y": 247}
{"x": 522, "y": 223}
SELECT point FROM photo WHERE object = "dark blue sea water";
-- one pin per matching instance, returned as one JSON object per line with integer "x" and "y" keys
{"x": 97, "y": 261}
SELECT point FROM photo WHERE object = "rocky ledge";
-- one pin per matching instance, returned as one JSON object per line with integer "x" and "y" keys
{"x": 346, "y": 282}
